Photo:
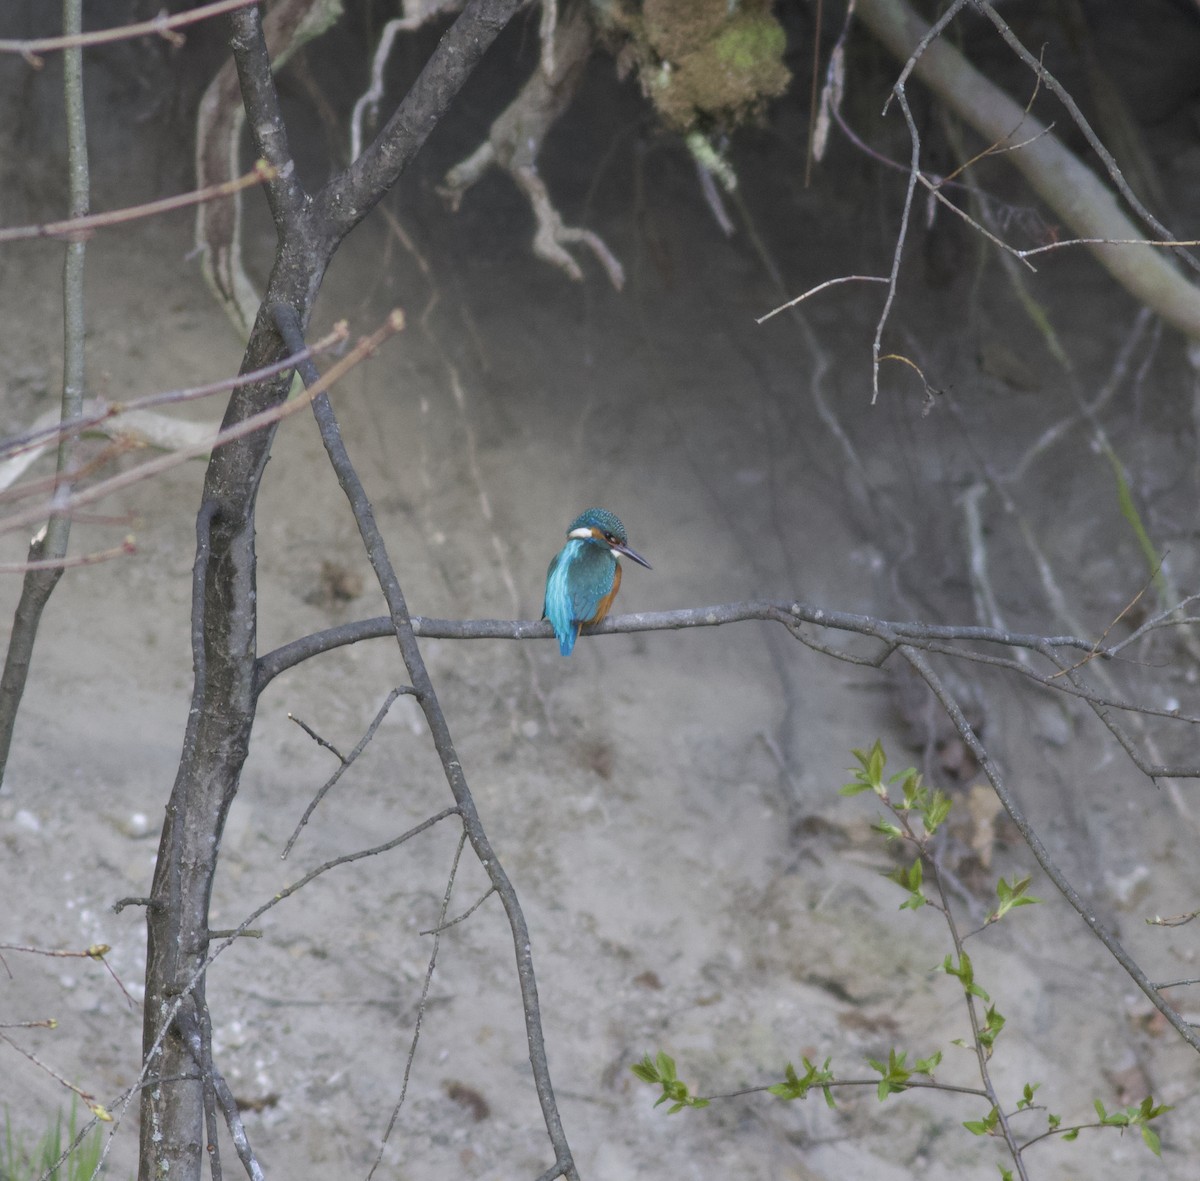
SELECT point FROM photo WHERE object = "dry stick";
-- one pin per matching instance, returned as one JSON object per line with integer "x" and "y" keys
{"x": 345, "y": 762}
{"x": 16, "y": 444}
{"x": 366, "y": 347}
{"x": 123, "y": 550}
{"x": 50, "y": 544}
{"x": 1072, "y": 189}
{"x": 200, "y": 1040}
{"x": 791, "y": 303}
{"x": 233, "y": 1121}
{"x": 954, "y": 712}
{"x": 420, "y": 1018}
{"x": 97, "y": 1109}
{"x": 893, "y": 278}
{"x": 172, "y": 1010}
{"x": 1076, "y": 114}
{"x": 161, "y": 26}
{"x": 80, "y": 225}
{"x": 289, "y": 328}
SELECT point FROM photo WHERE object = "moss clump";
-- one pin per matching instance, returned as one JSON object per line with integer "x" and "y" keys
{"x": 701, "y": 65}
{"x": 752, "y": 45}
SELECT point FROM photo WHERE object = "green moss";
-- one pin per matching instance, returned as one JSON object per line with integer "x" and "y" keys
{"x": 751, "y": 44}
{"x": 701, "y": 66}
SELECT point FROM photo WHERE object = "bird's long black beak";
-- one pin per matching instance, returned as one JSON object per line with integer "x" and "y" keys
{"x": 629, "y": 553}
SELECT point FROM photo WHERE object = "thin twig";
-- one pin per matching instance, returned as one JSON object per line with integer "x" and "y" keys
{"x": 81, "y": 226}
{"x": 1106, "y": 157}
{"x": 365, "y": 348}
{"x": 901, "y": 234}
{"x": 402, "y": 629}
{"x": 127, "y": 547}
{"x": 346, "y": 762}
{"x": 50, "y": 545}
{"x": 161, "y": 26}
{"x": 791, "y": 303}
{"x": 420, "y": 1017}
{"x": 16, "y": 444}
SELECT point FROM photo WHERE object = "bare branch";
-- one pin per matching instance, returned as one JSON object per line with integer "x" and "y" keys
{"x": 247, "y": 426}
{"x": 80, "y": 227}
{"x": 161, "y": 26}
{"x": 402, "y": 629}
{"x": 1063, "y": 181}
{"x": 346, "y": 763}
{"x": 50, "y": 546}
{"x": 416, "y": 1035}
{"x": 1064, "y": 96}
{"x": 352, "y": 194}
{"x": 791, "y": 303}
{"x": 103, "y": 412}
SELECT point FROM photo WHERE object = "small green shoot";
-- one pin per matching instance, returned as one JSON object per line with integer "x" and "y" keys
{"x": 895, "y": 1075}
{"x": 660, "y": 1071}
{"x": 986, "y": 1126}
{"x": 964, "y": 970}
{"x": 911, "y": 879}
{"x": 1011, "y": 897}
{"x": 1138, "y": 1116}
{"x": 797, "y": 1086}
{"x": 916, "y": 797}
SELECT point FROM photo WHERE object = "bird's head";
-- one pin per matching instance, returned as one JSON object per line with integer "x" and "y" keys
{"x": 601, "y": 527}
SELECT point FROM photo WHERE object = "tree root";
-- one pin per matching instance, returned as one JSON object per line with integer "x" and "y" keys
{"x": 516, "y": 138}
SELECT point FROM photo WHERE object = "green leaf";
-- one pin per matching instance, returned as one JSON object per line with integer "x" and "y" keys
{"x": 853, "y": 789}
{"x": 869, "y": 774}
{"x": 876, "y": 761}
{"x": 911, "y": 879}
{"x": 935, "y": 812}
{"x": 993, "y": 1024}
{"x": 965, "y": 973}
{"x": 928, "y": 1065}
{"x": 645, "y": 1070}
{"x": 1150, "y": 1136}
{"x": 985, "y": 1126}
{"x": 795, "y": 1087}
{"x": 1011, "y": 896}
{"x": 661, "y": 1070}
{"x": 1026, "y": 1099}
{"x": 894, "y": 1076}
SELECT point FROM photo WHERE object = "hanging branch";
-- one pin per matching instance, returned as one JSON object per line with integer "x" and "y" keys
{"x": 422, "y": 685}
{"x": 49, "y": 545}
{"x": 1059, "y": 177}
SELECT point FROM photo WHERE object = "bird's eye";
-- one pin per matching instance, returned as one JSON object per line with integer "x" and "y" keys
{"x": 610, "y": 539}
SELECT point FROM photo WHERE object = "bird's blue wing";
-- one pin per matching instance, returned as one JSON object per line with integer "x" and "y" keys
{"x": 558, "y": 606}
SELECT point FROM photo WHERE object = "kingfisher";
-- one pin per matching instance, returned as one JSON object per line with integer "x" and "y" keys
{"x": 584, "y": 576}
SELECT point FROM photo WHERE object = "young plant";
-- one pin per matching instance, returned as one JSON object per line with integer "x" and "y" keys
{"x": 916, "y": 814}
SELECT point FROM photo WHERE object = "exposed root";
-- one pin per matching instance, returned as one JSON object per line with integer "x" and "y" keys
{"x": 416, "y": 13}
{"x": 516, "y": 138}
